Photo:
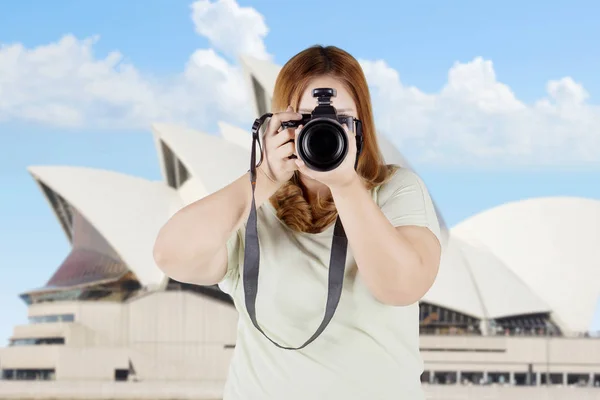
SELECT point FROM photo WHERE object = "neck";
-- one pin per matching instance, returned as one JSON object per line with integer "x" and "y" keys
{"x": 314, "y": 188}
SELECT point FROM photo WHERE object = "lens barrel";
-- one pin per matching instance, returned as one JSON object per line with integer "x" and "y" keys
{"x": 322, "y": 144}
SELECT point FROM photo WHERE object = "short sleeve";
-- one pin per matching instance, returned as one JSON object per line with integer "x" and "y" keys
{"x": 231, "y": 278}
{"x": 405, "y": 200}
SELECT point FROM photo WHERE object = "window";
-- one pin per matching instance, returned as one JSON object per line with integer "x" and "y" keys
{"x": 37, "y": 341}
{"x": 444, "y": 377}
{"x": 471, "y": 378}
{"x": 28, "y": 374}
{"x": 578, "y": 379}
{"x": 499, "y": 377}
{"x": 525, "y": 325}
{"x": 525, "y": 378}
{"x": 121, "y": 374}
{"x": 41, "y": 319}
{"x": 553, "y": 378}
{"x": 442, "y": 321}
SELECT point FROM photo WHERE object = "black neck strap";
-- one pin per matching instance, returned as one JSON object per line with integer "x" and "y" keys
{"x": 337, "y": 262}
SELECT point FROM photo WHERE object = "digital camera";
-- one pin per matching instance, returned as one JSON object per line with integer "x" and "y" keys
{"x": 323, "y": 144}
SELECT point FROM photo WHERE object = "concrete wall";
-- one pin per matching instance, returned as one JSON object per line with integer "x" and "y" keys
{"x": 511, "y": 353}
{"x": 170, "y": 335}
{"x": 29, "y": 357}
{"x": 177, "y": 335}
{"x": 92, "y": 363}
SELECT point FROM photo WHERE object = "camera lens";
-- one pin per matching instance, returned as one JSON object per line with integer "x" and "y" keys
{"x": 322, "y": 145}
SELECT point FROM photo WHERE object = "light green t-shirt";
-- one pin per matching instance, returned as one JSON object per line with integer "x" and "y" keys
{"x": 369, "y": 351}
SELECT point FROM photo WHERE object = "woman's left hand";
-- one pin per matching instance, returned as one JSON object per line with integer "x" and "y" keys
{"x": 343, "y": 175}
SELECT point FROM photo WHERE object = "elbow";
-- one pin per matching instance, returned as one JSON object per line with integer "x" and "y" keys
{"x": 161, "y": 255}
{"x": 405, "y": 290}
{"x": 183, "y": 266}
{"x": 398, "y": 298}
{"x": 166, "y": 263}
{"x": 167, "y": 252}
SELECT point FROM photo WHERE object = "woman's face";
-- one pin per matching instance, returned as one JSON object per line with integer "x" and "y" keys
{"x": 342, "y": 102}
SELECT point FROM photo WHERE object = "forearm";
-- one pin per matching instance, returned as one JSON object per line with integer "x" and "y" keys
{"x": 387, "y": 262}
{"x": 197, "y": 232}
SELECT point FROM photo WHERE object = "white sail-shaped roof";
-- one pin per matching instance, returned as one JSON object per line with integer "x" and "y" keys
{"x": 236, "y": 135}
{"x": 212, "y": 160}
{"x": 473, "y": 281}
{"x": 127, "y": 211}
{"x": 260, "y": 77}
{"x": 454, "y": 287}
{"x": 552, "y": 245}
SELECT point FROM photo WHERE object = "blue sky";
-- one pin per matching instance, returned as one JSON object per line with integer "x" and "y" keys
{"x": 528, "y": 44}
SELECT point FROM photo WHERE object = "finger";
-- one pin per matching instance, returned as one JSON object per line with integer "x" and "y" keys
{"x": 352, "y": 140}
{"x": 348, "y": 131}
{"x": 278, "y": 118}
{"x": 286, "y": 150}
{"x": 290, "y": 165}
{"x": 351, "y": 136}
{"x": 283, "y": 137}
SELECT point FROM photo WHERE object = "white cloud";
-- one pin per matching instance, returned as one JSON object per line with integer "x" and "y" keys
{"x": 65, "y": 84}
{"x": 473, "y": 119}
{"x": 230, "y": 28}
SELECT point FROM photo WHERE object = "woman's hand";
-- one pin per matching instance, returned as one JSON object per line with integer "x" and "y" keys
{"x": 278, "y": 146}
{"x": 343, "y": 175}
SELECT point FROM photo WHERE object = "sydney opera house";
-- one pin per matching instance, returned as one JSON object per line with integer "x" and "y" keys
{"x": 512, "y": 305}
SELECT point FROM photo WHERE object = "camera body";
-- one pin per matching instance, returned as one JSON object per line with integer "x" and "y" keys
{"x": 323, "y": 144}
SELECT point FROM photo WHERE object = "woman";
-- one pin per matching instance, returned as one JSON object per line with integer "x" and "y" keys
{"x": 370, "y": 350}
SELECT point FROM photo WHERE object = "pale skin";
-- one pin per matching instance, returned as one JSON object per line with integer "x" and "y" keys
{"x": 397, "y": 264}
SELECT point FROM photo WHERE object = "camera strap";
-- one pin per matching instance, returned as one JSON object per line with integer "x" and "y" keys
{"x": 337, "y": 262}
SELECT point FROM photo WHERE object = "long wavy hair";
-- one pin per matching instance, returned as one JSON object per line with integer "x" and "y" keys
{"x": 293, "y": 79}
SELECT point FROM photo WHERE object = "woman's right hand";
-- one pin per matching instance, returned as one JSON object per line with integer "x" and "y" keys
{"x": 278, "y": 146}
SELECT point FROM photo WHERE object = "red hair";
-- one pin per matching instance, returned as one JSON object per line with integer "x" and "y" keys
{"x": 292, "y": 81}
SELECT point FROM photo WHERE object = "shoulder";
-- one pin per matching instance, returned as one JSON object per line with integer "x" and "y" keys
{"x": 401, "y": 180}
{"x": 405, "y": 200}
